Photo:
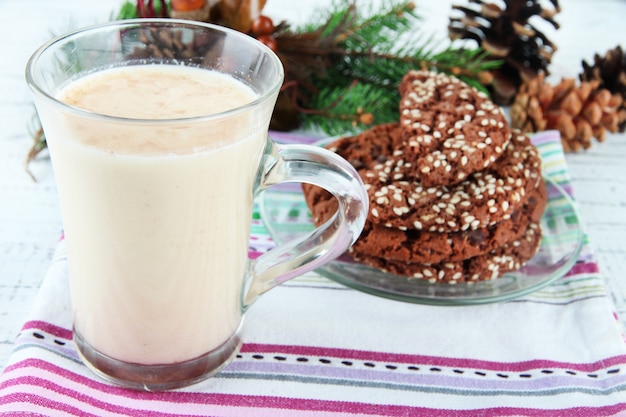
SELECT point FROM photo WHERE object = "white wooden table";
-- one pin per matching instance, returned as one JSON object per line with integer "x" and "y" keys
{"x": 30, "y": 223}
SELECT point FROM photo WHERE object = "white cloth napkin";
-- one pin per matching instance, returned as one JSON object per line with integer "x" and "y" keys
{"x": 315, "y": 348}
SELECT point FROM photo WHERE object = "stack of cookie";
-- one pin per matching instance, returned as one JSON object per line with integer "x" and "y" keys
{"x": 455, "y": 195}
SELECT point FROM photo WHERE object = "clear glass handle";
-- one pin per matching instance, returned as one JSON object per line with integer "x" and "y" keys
{"x": 318, "y": 166}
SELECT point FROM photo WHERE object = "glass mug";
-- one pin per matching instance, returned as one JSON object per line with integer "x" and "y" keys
{"x": 157, "y": 208}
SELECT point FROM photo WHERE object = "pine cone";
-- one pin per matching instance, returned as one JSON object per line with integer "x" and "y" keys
{"x": 580, "y": 112}
{"x": 610, "y": 71}
{"x": 507, "y": 35}
{"x": 166, "y": 42}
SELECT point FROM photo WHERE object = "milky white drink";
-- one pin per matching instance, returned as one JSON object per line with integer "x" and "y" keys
{"x": 157, "y": 223}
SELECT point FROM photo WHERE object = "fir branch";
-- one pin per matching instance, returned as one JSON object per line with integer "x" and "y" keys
{"x": 351, "y": 108}
{"x": 379, "y": 30}
{"x": 375, "y": 48}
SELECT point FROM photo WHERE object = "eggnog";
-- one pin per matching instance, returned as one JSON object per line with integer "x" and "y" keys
{"x": 156, "y": 214}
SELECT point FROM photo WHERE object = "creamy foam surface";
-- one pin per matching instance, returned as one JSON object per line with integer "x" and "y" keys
{"x": 156, "y": 92}
{"x": 156, "y": 217}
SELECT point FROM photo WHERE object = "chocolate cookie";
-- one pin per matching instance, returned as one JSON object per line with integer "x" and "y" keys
{"x": 433, "y": 247}
{"x": 509, "y": 257}
{"x": 363, "y": 151}
{"x": 373, "y": 146}
{"x": 486, "y": 197}
{"x": 400, "y": 201}
{"x": 450, "y": 129}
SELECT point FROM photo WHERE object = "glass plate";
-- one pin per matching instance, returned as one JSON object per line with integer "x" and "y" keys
{"x": 286, "y": 215}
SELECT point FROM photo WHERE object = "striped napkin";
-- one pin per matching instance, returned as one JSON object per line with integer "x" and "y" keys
{"x": 315, "y": 348}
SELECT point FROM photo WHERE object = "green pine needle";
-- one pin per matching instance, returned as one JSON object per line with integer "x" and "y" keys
{"x": 344, "y": 109}
{"x": 372, "y": 50}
